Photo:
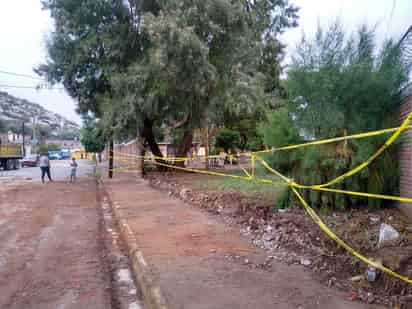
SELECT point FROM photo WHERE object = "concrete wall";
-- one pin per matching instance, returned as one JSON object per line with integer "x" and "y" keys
{"x": 405, "y": 152}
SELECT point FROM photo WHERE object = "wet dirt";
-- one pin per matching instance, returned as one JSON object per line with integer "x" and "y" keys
{"x": 51, "y": 251}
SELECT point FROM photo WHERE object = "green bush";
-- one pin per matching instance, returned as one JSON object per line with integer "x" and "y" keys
{"x": 44, "y": 149}
{"x": 339, "y": 85}
{"x": 227, "y": 139}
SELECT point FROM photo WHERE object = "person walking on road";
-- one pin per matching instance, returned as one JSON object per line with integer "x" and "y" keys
{"x": 73, "y": 165}
{"x": 45, "y": 167}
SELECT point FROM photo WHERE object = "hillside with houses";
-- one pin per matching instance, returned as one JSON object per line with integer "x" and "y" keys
{"x": 39, "y": 123}
{"x": 14, "y": 111}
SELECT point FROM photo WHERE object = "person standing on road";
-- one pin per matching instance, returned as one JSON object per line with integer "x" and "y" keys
{"x": 73, "y": 165}
{"x": 45, "y": 167}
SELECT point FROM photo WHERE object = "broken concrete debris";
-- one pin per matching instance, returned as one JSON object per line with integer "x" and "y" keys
{"x": 387, "y": 233}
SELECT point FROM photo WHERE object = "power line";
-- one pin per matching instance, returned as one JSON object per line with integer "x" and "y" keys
{"x": 20, "y": 75}
{"x": 28, "y": 87}
{"x": 393, "y": 10}
{"x": 389, "y": 26}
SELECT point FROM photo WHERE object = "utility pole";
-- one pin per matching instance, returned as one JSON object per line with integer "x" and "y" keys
{"x": 34, "y": 140}
{"x": 24, "y": 141}
{"x": 111, "y": 158}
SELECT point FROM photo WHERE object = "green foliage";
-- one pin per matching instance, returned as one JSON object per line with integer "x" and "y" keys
{"x": 142, "y": 65}
{"x": 67, "y": 134}
{"x": 339, "y": 85}
{"x": 44, "y": 149}
{"x": 277, "y": 130}
{"x": 250, "y": 137}
{"x": 92, "y": 137}
{"x": 2, "y": 126}
{"x": 53, "y": 147}
{"x": 227, "y": 139}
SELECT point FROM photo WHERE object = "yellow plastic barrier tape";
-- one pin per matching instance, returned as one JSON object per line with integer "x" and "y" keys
{"x": 251, "y": 177}
{"x": 246, "y": 172}
{"x": 363, "y": 194}
{"x": 332, "y": 140}
{"x": 308, "y": 209}
{"x": 264, "y": 163}
{"x": 405, "y": 125}
{"x": 343, "y": 244}
{"x": 205, "y": 172}
{"x": 176, "y": 159}
{"x": 187, "y": 169}
{"x": 328, "y": 232}
{"x": 290, "y": 147}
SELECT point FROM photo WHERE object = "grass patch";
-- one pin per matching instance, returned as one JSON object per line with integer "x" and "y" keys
{"x": 270, "y": 192}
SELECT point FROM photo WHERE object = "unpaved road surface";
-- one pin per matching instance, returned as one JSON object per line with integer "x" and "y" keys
{"x": 200, "y": 262}
{"x": 51, "y": 253}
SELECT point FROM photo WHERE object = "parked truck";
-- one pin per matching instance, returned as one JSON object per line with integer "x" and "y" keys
{"x": 10, "y": 154}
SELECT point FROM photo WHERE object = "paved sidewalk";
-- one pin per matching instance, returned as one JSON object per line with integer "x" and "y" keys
{"x": 199, "y": 262}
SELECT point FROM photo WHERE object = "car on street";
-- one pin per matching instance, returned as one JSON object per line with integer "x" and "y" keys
{"x": 30, "y": 161}
{"x": 55, "y": 155}
{"x": 65, "y": 154}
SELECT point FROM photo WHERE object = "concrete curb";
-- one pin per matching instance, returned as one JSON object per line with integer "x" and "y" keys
{"x": 152, "y": 295}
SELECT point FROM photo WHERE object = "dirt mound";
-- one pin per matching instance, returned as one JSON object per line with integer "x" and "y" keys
{"x": 290, "y": 236}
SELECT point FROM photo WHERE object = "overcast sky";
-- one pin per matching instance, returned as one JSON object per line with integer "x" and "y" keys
{"x": 23, "y": 27}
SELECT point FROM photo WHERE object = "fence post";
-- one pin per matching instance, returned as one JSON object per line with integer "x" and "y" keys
{"x": 111, "y": 159}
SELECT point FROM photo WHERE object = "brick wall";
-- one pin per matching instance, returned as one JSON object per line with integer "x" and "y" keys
{"x": 405, "y": 152}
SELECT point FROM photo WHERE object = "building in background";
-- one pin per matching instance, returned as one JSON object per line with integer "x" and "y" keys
{"x": 65, "y": 143}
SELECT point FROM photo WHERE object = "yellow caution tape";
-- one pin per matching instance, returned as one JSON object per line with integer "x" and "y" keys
{"x": 343, "y": 244}
{"x": 332, "y": 140}
{"x": 332, "y": 235}
{"x": 294, "y": 186}
{"x": 308, "y": 209}
{"x": 283, "y": 148}
{"x": 405, "y": 125}
{"x": 362, "y": 194}
{"x": 192, "y": 170}
{"x": 179, "y": 159}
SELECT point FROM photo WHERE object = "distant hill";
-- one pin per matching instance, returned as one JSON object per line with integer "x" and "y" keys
{"x": 13, "y": 111}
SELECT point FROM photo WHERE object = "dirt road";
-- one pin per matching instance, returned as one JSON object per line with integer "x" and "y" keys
{"x": 51, "y": 253}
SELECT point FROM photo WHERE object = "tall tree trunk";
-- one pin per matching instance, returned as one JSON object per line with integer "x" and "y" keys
{"x": 148, "y": 135}
{"x": 185, "y": 147}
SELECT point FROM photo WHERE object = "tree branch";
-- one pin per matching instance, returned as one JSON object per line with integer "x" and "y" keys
{"x": 180, "y": 123}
